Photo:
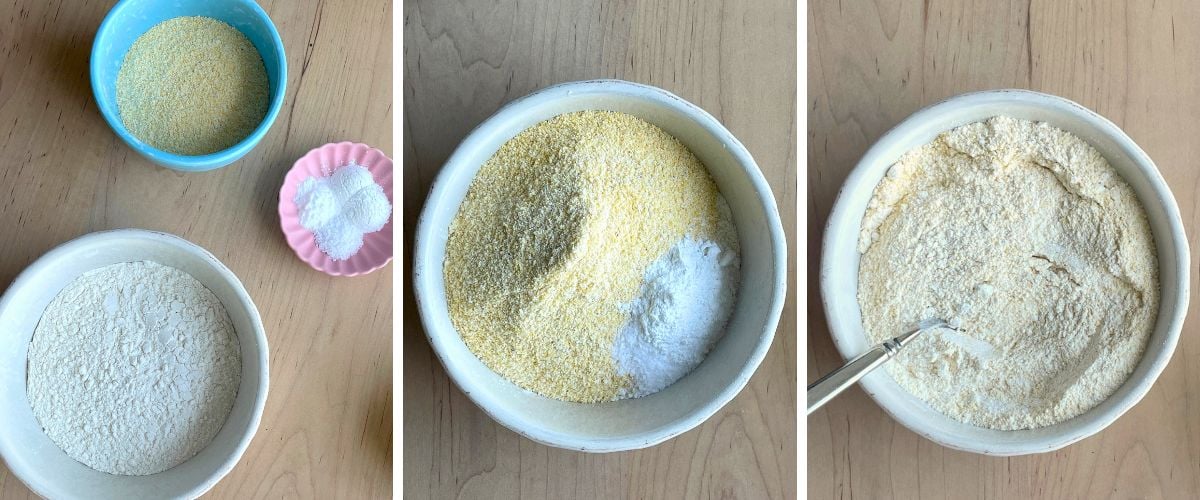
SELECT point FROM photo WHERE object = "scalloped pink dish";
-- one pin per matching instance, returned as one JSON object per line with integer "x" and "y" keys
{"x": 376, "y": 251}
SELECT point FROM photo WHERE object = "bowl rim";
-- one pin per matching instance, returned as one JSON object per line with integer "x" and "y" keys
{"x": 457, "y": 161}
{"x": 185, "y": 163}
{"x": 1177, "y": 242}
{"x": 259, "y": 334}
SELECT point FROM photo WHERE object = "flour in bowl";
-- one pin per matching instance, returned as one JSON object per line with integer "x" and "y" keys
{"x": 133, "y": 368}
{"x": 1024, "y": 235}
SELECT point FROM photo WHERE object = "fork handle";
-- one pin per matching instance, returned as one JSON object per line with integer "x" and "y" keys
{"x": 824, "y": 389}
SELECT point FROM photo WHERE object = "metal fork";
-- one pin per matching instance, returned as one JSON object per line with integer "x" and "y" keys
{"x": 823, "y": 390}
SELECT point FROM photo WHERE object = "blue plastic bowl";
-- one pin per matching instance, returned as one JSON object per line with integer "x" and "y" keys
{"x": 129, "y": 19}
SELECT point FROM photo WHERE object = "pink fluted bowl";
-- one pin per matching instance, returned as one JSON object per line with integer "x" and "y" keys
{"x": 376, "y": 251}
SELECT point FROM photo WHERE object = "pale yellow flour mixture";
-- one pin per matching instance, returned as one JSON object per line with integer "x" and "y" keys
{"x": 1024, "y": 234}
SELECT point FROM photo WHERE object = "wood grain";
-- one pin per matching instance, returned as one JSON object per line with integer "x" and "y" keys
{"x": 327, "y": 429}
{"x": 870, "y": 64}
{"x": 462, "y": 61}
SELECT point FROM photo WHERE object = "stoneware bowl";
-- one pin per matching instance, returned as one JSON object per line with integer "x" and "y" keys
{"x": 33, "y": 457}
{"x": 129, "y": 19}
{"x": 631, "y": 423}
{"x": 376, "y": 251}
{"x": 839, "y": 264}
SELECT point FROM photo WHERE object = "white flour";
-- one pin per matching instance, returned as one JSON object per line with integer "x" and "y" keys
{"x": 686, "y": 298}
{"x": 133, "y": 368}
{"x": 1024, "y": 235}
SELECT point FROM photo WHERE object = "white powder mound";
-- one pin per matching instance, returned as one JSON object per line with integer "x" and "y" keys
{"x": 339, "y": 239}
{"x": 686, "y": 298}
{"x": 368, "y": 209}
{"x": 350, "y": 179}
{"x": 342, "y": 208}
{"x": 319, "y": 202}
{"x": 1026, "y": 237}
{"x": 133, "y": 368}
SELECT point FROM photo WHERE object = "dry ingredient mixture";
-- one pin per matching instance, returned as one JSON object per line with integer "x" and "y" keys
{"x": 341, "y": 208}
{"x": 1025, "y": 236}
{"x": 133, "y": 368}
{"x": 584, "y": 226}
{"x": 192, "y": 86}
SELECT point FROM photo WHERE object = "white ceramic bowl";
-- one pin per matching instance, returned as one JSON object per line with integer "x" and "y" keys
{"x": 33, "y": 457}
{"x": 839, "y": 264}
{"x": 632, "y": 423}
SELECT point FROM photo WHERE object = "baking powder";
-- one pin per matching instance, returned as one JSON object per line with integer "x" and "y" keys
{"x": 341, "y": 208}
{"x": 686, "y": 298}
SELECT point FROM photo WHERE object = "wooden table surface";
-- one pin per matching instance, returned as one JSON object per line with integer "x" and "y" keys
{"x": 462, "y": 61}
{"x": 327, "y": 429}
{"x": 871, "y": 64}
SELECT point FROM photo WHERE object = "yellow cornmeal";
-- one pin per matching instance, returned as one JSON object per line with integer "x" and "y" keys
{"x": 556, "y": 232}
{"x": 192, "y": 86}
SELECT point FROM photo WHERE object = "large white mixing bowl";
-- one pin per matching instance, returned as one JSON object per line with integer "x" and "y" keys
{"x": 41, "y": 464}
{"x": 839, "y": 264}
{"x": 630, "y": 423}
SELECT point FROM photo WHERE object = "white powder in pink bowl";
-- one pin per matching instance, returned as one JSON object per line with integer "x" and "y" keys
{"x": 342, "y": 208}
